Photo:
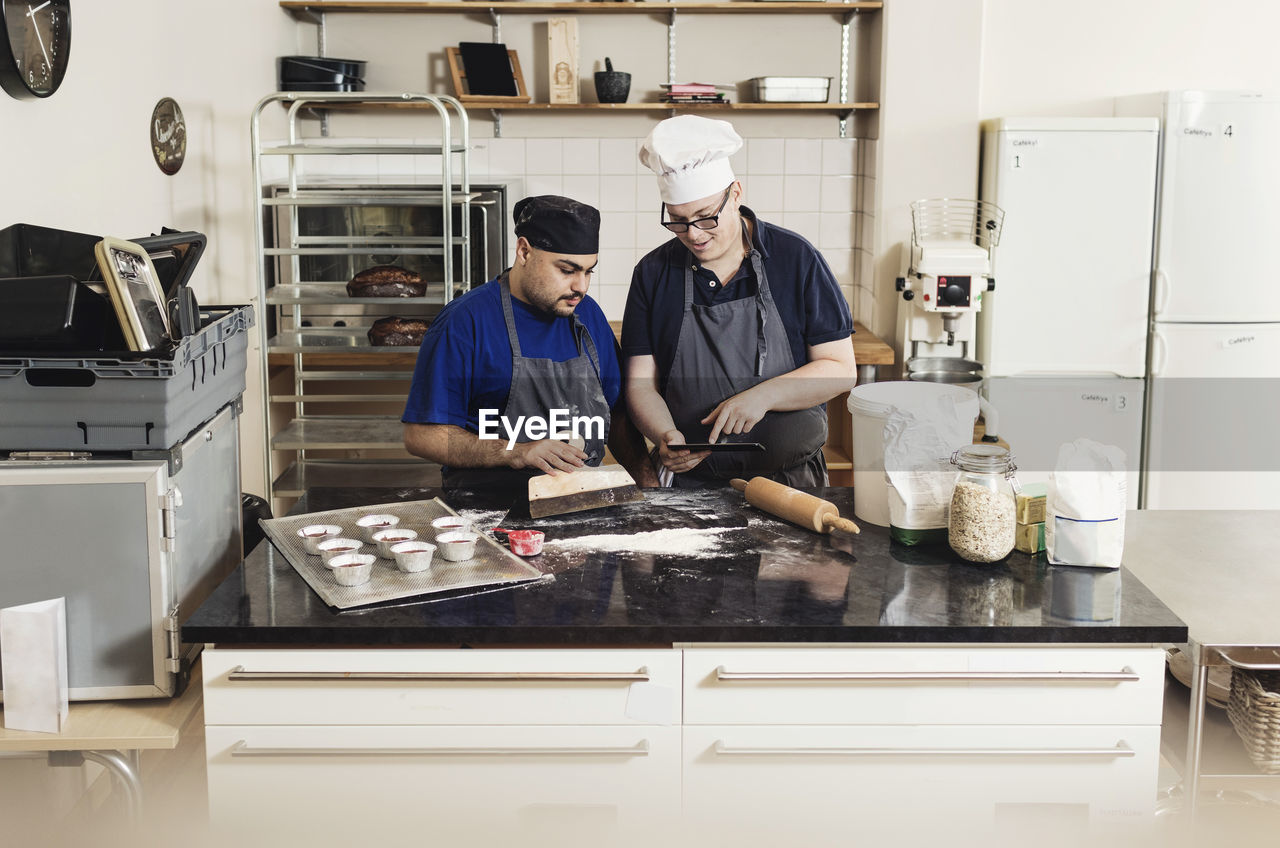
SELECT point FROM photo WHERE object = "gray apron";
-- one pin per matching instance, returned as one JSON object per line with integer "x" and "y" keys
{"x": 538, "y": 386}
{"x": 725, "y": 349}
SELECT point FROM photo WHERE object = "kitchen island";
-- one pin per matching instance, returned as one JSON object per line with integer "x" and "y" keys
{"x": 695, "y": 667}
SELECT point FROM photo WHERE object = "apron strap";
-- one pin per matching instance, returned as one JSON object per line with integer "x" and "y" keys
{"x": 509, "y": 317}
{"x": 763, "y": 296}
{"x": 688, "y": 284}
{"x": 582, "y": 337}
{"x": 763, "y": 299}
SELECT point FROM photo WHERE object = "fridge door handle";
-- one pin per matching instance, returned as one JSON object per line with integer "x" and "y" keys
{"x": 1160, "y": 300}
{"x": 1159, "y": 353}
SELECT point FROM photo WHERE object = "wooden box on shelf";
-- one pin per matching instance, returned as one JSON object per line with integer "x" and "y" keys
{"x": 459, "y": 74}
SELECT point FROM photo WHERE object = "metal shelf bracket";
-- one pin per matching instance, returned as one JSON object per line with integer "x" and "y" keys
{"x": 846, "y": 23}
{"x": 671, "y": 49}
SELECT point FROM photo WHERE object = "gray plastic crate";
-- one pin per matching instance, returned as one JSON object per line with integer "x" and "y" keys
{"x": 125, "y": 402}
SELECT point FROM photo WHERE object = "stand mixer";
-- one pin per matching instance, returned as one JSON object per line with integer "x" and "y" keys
{"x": 948, "y": 270}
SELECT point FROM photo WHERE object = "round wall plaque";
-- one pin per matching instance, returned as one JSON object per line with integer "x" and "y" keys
{"x": 168, "y": 135}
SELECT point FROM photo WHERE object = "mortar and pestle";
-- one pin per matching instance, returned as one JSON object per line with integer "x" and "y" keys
{"x": 612, "y": 86}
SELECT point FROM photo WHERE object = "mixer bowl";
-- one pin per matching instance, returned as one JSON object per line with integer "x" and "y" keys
{"x": 953, "y": 371}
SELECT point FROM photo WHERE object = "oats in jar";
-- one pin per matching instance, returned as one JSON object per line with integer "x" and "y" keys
{"x": 980, "y": 527}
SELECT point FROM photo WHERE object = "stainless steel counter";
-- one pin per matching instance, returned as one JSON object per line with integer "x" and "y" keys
{"x": 1219, "y": 572}
{"x": 1217, "y": 569}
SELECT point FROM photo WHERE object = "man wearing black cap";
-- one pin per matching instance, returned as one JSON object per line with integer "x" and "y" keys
{"x": 507, "y": 363}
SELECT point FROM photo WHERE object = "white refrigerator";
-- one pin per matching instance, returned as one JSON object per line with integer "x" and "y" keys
{"x": 1214, "y": 388}
{"x": 1063, "y": 337}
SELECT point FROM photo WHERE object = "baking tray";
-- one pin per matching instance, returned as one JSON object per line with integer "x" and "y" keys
{"x": 790, "y": 89}
{"x": 492, "y": 567}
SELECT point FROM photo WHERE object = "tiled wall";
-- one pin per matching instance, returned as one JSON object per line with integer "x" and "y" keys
{"x": 823, "y": 189}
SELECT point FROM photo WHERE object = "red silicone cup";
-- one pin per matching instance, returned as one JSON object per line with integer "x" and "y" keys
{"x": 523, "y": 542}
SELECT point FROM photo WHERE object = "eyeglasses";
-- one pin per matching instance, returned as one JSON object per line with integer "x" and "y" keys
{"x": 700, "y": 223}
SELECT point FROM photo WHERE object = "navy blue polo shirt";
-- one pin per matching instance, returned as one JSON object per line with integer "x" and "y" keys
{"x": 807, "y": 295}
{"x": 464, "y": 364}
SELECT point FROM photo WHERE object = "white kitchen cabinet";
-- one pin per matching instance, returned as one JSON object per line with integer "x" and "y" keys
{"x": 802, "y": 743}
{"x": 925, "y": 685}
{"x": 472, "y": 745}
{"x": 450, "y": 686}
{"x": 453, "y": 784}
{"x": 703, "y": 744}
{"x": 811, "y": 783}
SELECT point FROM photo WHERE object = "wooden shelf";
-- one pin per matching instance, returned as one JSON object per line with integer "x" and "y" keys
{"x": 682, "y": 107}
{"x": 507, "y": 106}
{"x": 585, "y": 7}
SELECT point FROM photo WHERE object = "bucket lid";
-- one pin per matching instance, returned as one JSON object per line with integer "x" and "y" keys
{"x": 877, "y": 399}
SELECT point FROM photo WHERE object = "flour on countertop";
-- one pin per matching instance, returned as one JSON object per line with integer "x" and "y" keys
{"x": 483, "y": 519}
{"x": 683, "y": 541}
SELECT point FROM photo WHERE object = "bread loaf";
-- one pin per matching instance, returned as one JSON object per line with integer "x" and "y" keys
{"x": 394, "y": 331}
{"x": 387, "y": 281}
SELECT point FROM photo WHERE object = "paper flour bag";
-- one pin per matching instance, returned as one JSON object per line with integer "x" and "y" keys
{"x": 917, "y": 461}
{"x": 1085, "y": 506}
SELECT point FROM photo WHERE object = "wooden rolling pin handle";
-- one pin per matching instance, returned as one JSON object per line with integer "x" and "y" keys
{"x": 739, "y": 484}
{"x": 835, "y": 522}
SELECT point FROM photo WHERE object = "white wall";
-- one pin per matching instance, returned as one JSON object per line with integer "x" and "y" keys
{"x": 1048, "y": 58}
{"x": 928, "y": 142}
{"x": 81, "y": 159}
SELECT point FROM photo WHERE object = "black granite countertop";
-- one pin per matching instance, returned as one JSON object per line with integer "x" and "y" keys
{"x": 743, "y": 577}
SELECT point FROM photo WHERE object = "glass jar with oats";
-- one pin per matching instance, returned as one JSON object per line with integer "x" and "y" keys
{"x": 981, "y": 523}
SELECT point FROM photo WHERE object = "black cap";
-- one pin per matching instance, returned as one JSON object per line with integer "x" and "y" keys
{"x": 558, "y": 224}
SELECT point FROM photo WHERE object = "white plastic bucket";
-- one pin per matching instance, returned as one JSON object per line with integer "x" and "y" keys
{"x": 870, "y": 405}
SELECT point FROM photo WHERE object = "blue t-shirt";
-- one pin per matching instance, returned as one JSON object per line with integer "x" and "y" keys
{"x": 808, "y": 297}
{"x": 464, "y": 364}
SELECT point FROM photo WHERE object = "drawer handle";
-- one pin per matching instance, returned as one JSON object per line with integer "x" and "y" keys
{"x": 1121, "y": 750}
{"x": 239, "y": 673}
{"x": 242, "y": 749}
{"x": 1125, "y": 674}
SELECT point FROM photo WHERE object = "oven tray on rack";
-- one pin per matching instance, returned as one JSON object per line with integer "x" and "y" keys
{"x": 492, "y": 567}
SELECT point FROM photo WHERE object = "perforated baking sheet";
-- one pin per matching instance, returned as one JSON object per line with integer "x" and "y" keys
{"x": 493, "y": 566}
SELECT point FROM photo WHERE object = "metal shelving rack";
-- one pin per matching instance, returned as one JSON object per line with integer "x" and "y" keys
{"x": 343, "y": 354}
{"x": 314, "y": 11}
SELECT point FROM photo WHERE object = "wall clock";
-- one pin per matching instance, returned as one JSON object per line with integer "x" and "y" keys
{"x": 34, "y": 46}
{"x": 168, "y": 136}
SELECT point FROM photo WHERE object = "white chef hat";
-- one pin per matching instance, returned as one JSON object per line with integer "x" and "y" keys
{"x": 690, "y": 155}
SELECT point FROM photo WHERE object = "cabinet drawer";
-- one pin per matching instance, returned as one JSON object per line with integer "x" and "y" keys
{"x": 448, "y": 785}
{"x": 897, "y": 782}
{"x": 425, "y": 687}
{"x": 923, "y": 686}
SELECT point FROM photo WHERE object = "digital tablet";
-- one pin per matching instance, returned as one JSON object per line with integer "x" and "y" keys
{"x": 719, "y": 447}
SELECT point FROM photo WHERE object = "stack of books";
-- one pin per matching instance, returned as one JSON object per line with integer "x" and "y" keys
{"x": 693, "y": 92}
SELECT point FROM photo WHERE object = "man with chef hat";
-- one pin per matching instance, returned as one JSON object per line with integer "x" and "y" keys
{"x": 521, "y": 347}
{"x": 734, "y": 330}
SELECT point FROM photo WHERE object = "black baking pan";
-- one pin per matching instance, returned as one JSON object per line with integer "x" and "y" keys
{"x": 51, "y": 313}
{"x": 30, "y": 251}
{"x": 174, "y": 255}
{"x": 319, "y": 73}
